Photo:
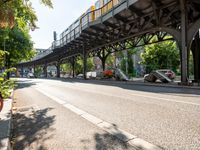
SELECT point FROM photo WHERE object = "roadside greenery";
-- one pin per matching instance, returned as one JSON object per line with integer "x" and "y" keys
{"x": 67, "y": 67}
{"x": 126, "y": 64}
{"x": 17, "y": 17}
{"x": 5, "y": 85}
{"x": 163, "y": 55}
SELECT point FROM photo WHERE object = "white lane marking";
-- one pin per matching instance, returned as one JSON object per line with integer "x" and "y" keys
{"x": 92, "y": 118}
{"x": 137, "y": 142}
{"x": 51, "y": 96}
{"x": 74, "y": 109}
{"x": 112, "y": 129}
{"x": 139, "y": 95}
{"x": 108, "y": 127}
{"x": 165, "y": 99}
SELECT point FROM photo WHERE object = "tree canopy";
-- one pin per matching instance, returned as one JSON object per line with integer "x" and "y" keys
{"x": 19, "y": 12}
{"x": 163, "y": 55}
{"x": 17, "y": 17}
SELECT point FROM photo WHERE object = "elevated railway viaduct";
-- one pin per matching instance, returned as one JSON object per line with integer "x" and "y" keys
{"x": 128, "y": 24}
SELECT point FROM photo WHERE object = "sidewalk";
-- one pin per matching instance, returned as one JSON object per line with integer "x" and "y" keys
{"x": 5, "y": 125}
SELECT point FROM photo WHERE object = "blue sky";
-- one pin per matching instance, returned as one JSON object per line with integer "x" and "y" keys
{"x": 57, "y": 19}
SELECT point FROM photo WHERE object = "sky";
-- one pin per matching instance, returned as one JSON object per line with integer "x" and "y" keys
{"x": 64, "y": 13}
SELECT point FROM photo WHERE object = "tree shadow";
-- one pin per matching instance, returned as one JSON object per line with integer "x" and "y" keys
{"x": 4, "y": 134}
{"x": 32, "y": 127}
{"x": 24, "y": 84}
{"x": 107, "y": 141}
{"x": 115, "y": 141}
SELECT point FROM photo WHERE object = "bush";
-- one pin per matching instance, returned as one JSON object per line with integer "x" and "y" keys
{"x": 6, "y": 85}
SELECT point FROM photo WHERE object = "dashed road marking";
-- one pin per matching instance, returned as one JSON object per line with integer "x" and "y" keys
{"x": 51, "y": 96}
{"x": 74, "y": 109}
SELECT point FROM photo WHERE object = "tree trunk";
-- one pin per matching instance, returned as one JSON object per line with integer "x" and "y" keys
{"x": 73, "y": 67}
{"x": 7, "y": 67}
{"x": 103, "y": 63}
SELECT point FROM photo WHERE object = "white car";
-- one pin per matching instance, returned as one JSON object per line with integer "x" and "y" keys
{"x": 79, "y": 76}
{"x": 30, "y": 75}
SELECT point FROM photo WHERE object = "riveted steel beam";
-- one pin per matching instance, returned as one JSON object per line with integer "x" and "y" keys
{"x": 184, "y": 45}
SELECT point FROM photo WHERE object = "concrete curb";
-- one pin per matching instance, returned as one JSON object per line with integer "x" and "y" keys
{"x": 147, "y": 84}
{"x": 129, "y": 83}
{"x": 5, "y": 124}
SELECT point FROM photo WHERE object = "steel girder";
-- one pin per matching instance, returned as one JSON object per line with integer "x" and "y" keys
{"x": 132, "y": 43}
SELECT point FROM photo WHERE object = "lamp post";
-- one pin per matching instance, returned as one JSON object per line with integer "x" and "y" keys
{"x": 4, "y": 49}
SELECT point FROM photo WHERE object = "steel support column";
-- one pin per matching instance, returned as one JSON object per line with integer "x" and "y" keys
{"x": 58, "y": 70}
{"x": 196, "y": 57}
{"x": 45, "y": 70}
{"x": 73, "y": 67}
{"x": 34, "y": 69}
{"x": 84, "y": 63}
{"x": 22, "y": 71}
{"x": 184, "y": 44}
{"x": 103, "y": 60}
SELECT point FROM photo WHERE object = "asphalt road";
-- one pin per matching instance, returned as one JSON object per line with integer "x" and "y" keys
{"x": 164, "y": 116}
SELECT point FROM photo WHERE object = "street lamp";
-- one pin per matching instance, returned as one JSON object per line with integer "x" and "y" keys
{"x": 4, "y": 49}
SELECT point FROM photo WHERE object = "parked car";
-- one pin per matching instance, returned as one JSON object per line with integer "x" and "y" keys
{"x": 169, "y": 73}
{"x": 30, "y": 75}
{"x": 79, "y": 76}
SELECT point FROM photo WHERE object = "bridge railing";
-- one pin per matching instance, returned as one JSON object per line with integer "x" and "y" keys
{"x": 56, "y": 44}
{"x": 89, "y": 17}
{"x": 84, "y": 22}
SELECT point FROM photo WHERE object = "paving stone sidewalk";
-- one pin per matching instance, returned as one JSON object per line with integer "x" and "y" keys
{"x": 5, "y": 125}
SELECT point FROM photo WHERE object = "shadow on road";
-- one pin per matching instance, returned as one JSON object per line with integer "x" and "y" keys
{"x": 24, "y": 84}
{"x": 106, "y": 141}
{"x": 186, "y": 92}
{"x": 31, "y": 129}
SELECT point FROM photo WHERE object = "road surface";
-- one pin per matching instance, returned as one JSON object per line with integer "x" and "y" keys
{"x": 164, "y": 116}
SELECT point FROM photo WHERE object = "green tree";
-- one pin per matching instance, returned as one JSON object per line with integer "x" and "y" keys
{"x": 127, "y": 59}
{"x": 161, "y": 56}
{"x": 19, "y": 12}
{"x": 16, "y": 20}
{"x": 79, "y": 65}
{"x": 66, "y": 67}
{"x": 17, "y": 17}
{"x": 18, "y": 46}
